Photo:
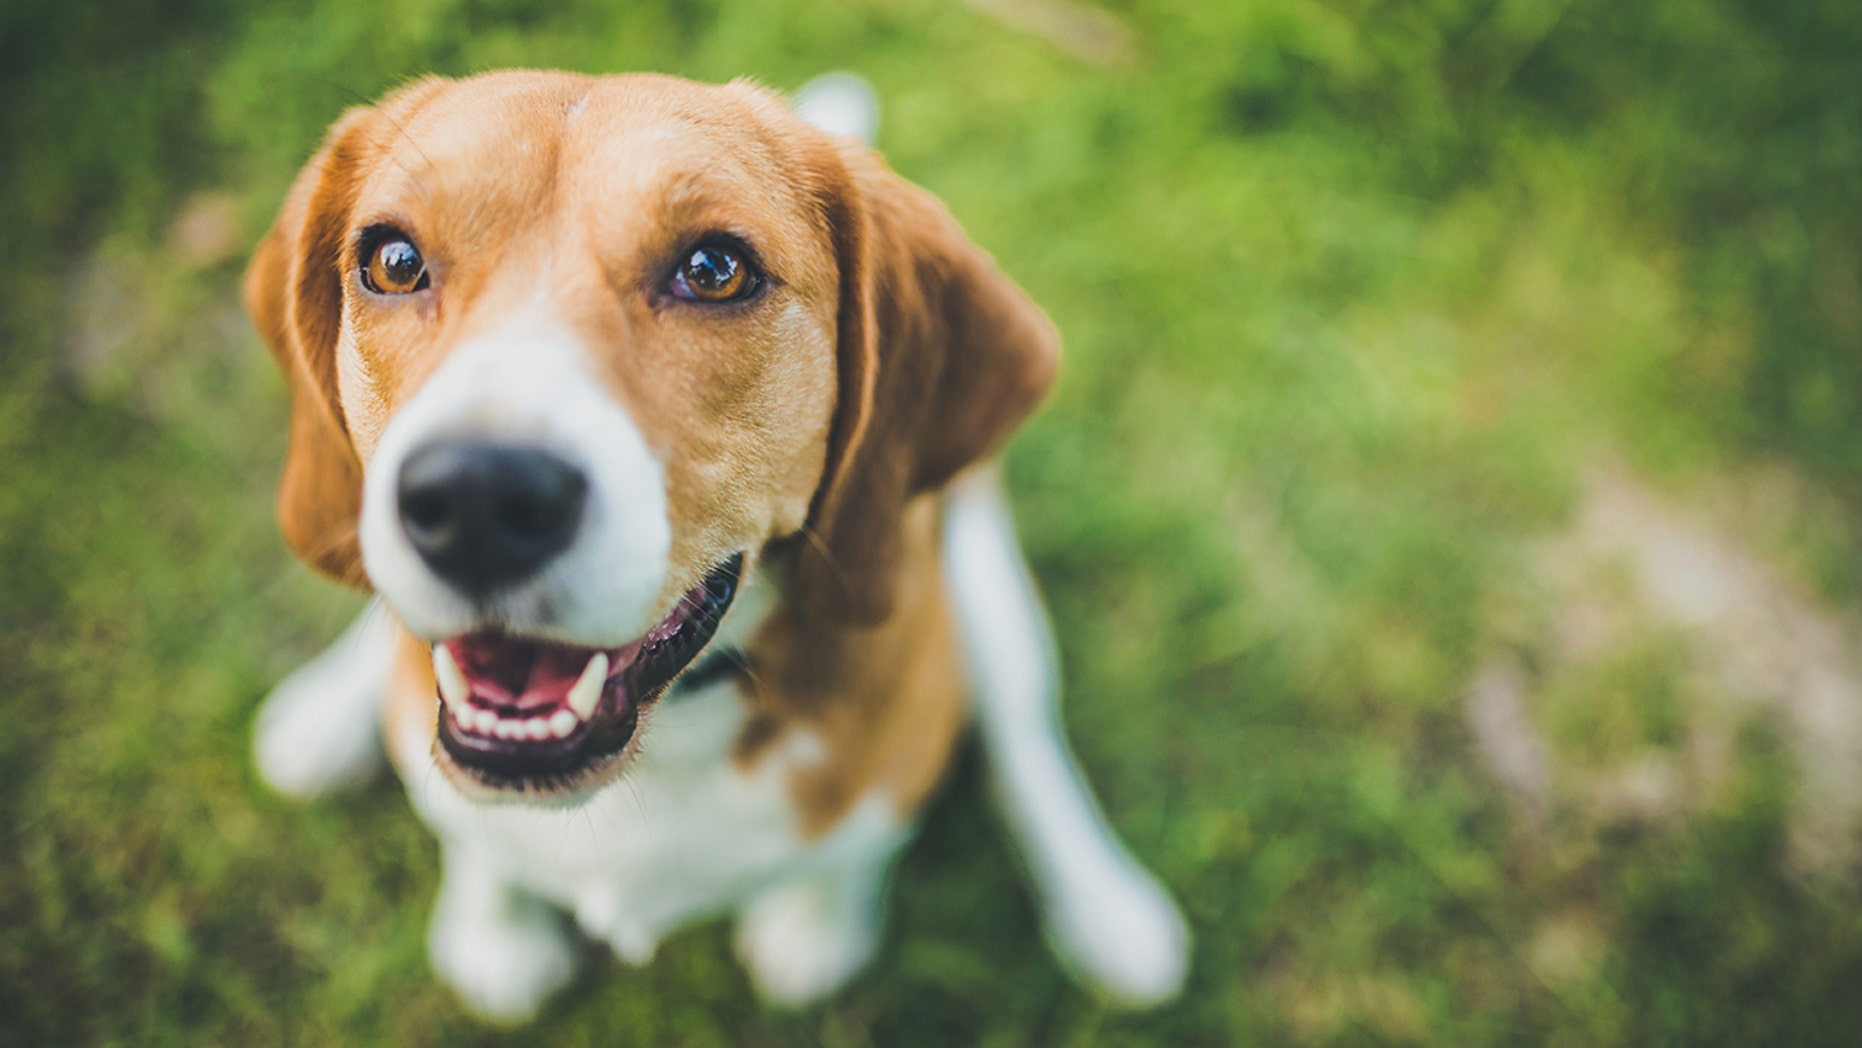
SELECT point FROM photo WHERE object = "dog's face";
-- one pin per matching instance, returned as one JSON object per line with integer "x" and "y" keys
{"x": 570, "y": 354}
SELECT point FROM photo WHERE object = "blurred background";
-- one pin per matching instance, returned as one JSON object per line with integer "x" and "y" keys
{"x": 1449, "y": 512}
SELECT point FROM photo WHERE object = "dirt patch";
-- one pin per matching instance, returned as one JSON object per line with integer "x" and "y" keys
{"x": 1638, "y": 570}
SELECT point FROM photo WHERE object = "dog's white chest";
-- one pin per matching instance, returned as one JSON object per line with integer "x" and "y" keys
{"x": 685, "y": 833}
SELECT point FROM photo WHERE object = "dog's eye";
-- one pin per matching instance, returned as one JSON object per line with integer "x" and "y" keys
{"x": 714, "y": 273}
{"x": 394, "y": 267}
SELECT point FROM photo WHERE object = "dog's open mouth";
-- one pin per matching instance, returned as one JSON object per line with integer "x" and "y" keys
{"x": 520, "y": 713}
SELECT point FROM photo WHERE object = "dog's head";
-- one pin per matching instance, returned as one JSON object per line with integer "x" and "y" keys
{"x": 569, "y": 354}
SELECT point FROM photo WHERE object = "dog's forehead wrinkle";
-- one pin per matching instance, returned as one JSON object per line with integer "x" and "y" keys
{"x": 503, "y": 155}
{"x": 676, "y": 172}
{"x": 402, "y": 124}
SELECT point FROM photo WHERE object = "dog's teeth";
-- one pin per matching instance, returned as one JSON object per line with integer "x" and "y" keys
{"x": 537, "y": 728}
{"x": 454, "y": 690}
{"x": 562, "y": 722}
{"x": 587, "y": 691}
{"x": 485, "y": 721}
{"x": 510, "y": 729}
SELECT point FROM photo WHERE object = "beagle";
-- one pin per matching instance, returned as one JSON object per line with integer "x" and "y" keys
{"x": 657, "y": 419}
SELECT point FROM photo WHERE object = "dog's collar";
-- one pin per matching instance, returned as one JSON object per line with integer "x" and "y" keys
{"x": 711, "y": 668}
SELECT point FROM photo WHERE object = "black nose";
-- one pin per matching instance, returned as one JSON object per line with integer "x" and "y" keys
{"x": 484, "y": 515}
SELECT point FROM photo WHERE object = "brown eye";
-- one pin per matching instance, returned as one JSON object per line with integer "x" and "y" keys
{"x": 713, "y": 273}
{"x": 394, "y": 267}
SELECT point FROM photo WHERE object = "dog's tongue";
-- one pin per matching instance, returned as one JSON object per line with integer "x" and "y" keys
{"x": 517, "y": 674}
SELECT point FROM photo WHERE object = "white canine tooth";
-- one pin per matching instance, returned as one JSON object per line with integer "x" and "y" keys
{"x": 454, "y": 690}
{"x": 587, "y": 691}
{"x": 562, "y": 722}
{"x": 485, "y": 721}
{"x": 537, "y": 728}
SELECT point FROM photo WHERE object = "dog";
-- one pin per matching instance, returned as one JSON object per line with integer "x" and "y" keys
{"x": 660, "y": 421}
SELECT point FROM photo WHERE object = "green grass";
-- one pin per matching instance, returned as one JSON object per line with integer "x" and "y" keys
{"x": 1352, "y": 292}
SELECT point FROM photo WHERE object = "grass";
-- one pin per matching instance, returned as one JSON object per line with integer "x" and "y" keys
{"x": 1353, "y": 294}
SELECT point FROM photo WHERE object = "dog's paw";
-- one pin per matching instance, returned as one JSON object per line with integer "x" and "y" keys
{"x": 801, "y": 942}
{"x": 1125, "y": 936}
{"x": 601, "y": 915}
{"x": 504, "y": 966}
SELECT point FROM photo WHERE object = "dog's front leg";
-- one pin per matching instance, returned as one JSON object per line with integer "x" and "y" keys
{"x": 502, "y": 949}
{"x": 319, "y": 730}
{"x": 802, "y": 939}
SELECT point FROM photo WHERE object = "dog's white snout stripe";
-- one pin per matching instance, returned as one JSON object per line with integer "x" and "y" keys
{"x": 528, "y": 385}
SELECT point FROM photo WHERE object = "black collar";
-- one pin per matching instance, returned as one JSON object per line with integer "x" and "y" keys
{"x": 711, "y": 667}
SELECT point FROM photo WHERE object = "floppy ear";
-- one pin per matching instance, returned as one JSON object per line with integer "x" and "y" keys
{"x": 941, "y": 356}
{"x": 294, "y": 292}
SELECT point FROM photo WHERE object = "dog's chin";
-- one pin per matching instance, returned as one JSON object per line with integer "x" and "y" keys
{"x": 522, "y": 718}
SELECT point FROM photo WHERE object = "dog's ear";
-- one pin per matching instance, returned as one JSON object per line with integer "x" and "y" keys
{"x": 294, "y": 292}
{"x": 940, "y": 357}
